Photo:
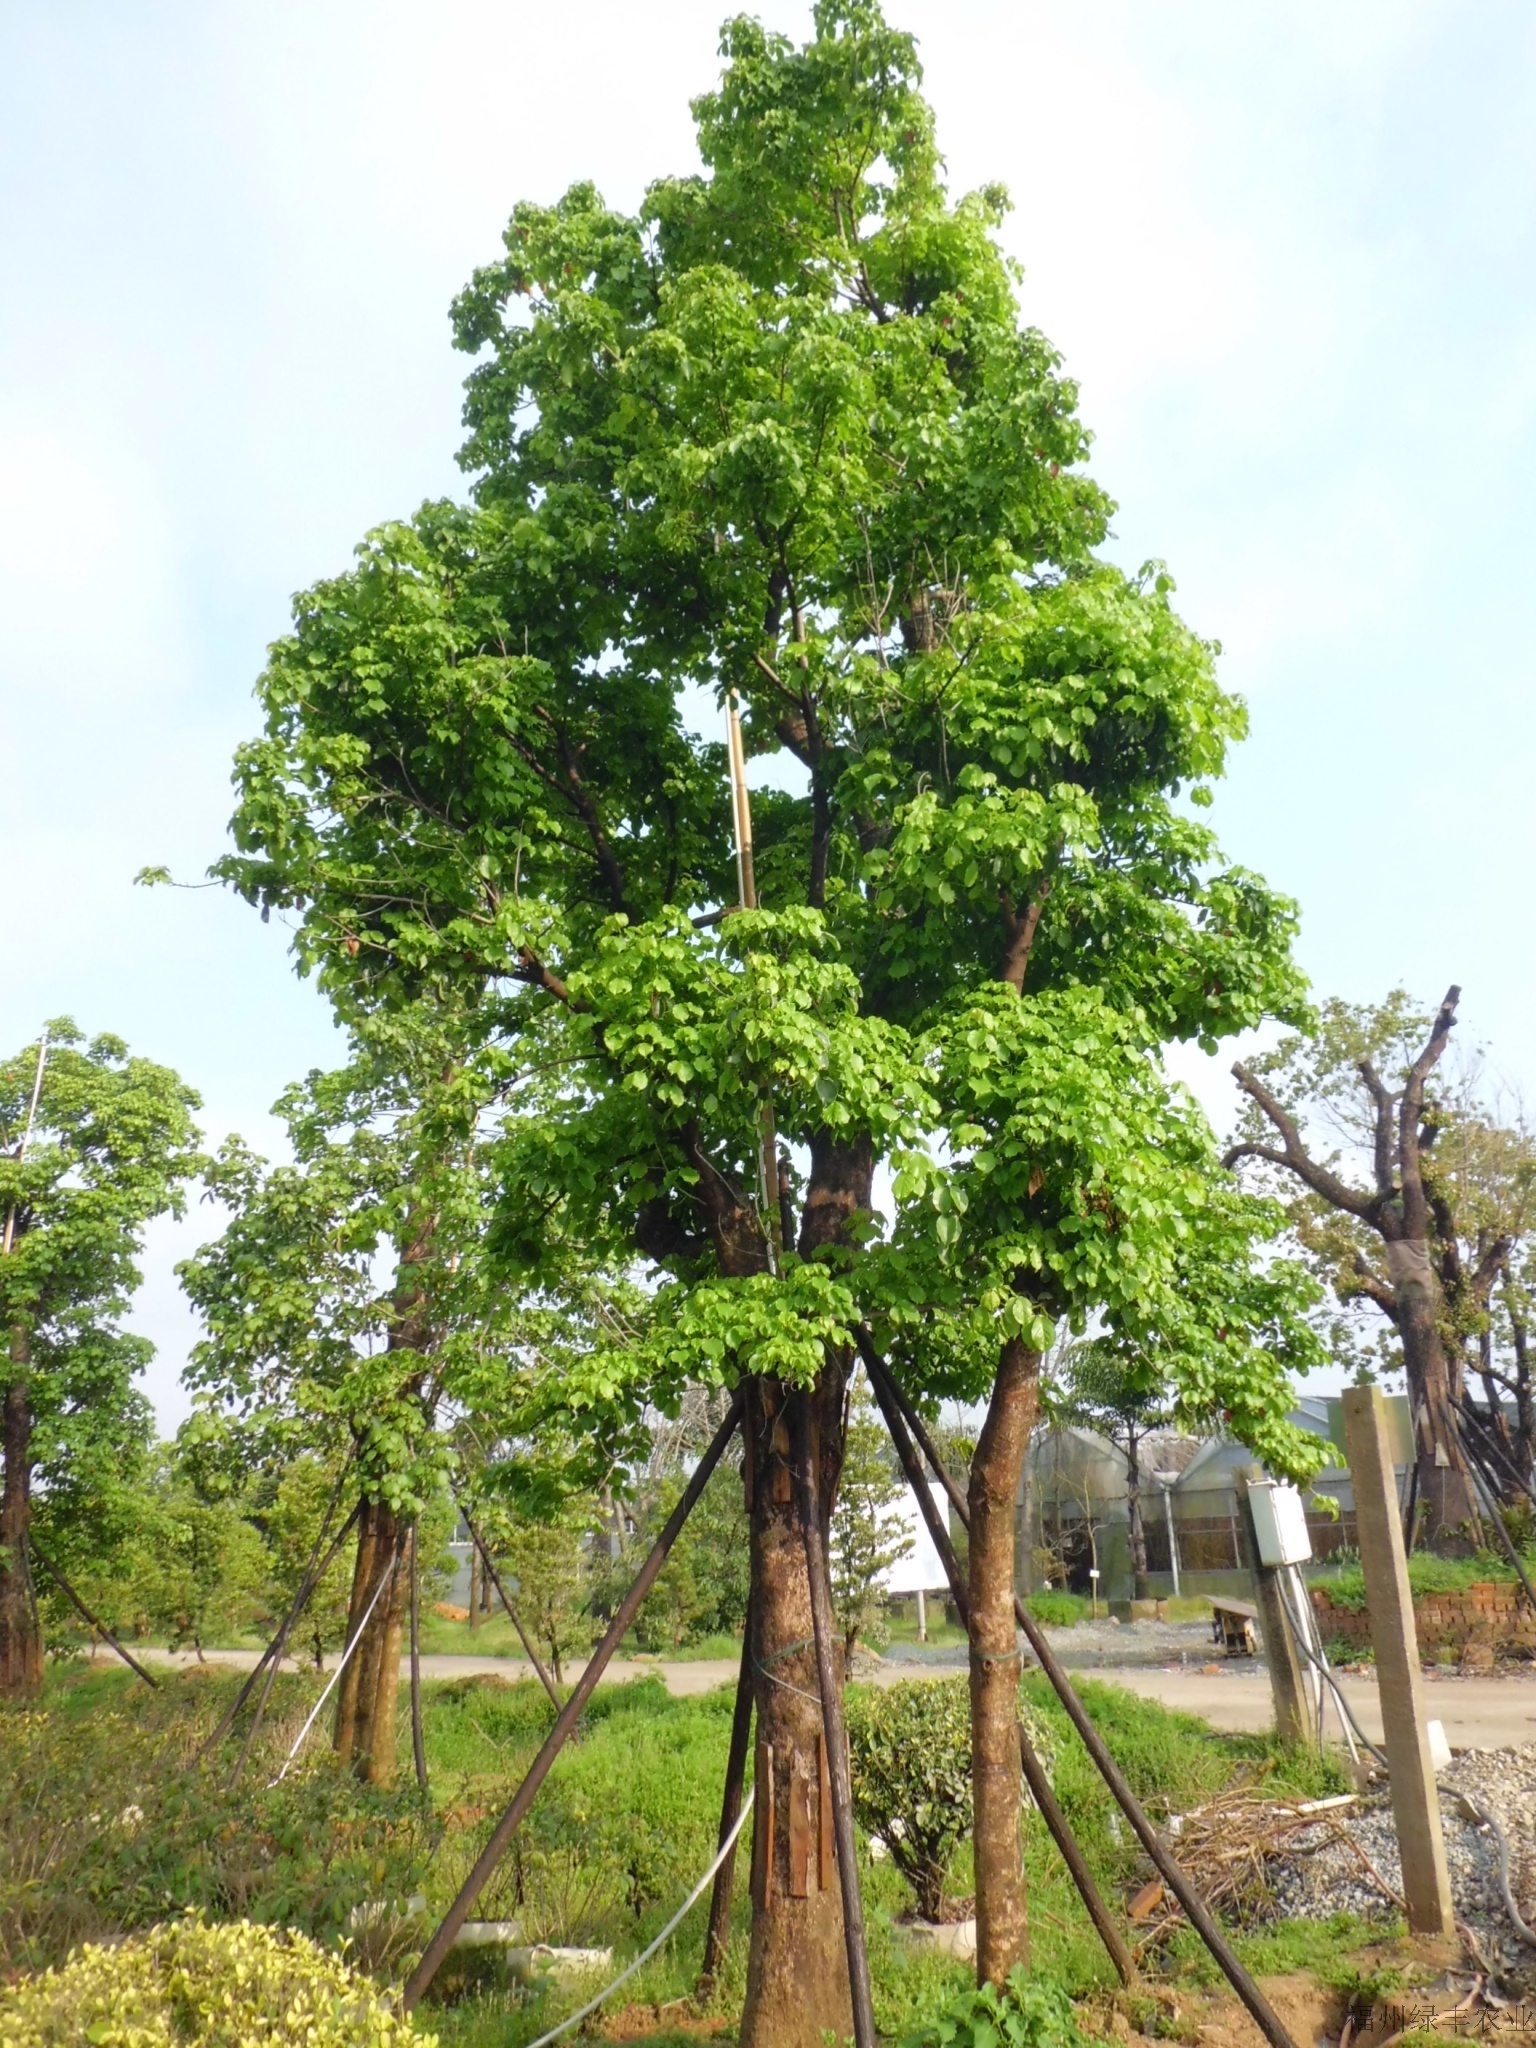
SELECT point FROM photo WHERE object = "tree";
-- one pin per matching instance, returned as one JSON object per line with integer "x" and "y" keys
{"x": 782, "y": 435}
{"x": 1415, "y": 1207}
{"x": 868, "y": 1537}
{"x": 1121, "y": 1390}
{"x": 94, "y": 1143}
{"x": 305, "y": 1347}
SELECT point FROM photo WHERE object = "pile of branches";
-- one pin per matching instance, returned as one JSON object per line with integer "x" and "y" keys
{"x": 1229, "y": 1847}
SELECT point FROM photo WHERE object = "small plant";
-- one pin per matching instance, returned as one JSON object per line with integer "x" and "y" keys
{"x": 911, "y": 1752}
{"x": 1027, "y": 2012}
{"x": 186, "y": 1981}
{"x": 1055, "y": 1609}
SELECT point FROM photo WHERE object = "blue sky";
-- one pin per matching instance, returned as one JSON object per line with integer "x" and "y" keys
{"x": 1290, "y": 253}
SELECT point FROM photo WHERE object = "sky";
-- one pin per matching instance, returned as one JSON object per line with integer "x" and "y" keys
{"x": 1289, "y": 253}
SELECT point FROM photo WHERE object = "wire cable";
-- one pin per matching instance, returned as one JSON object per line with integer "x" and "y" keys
{"x": 645, "y": 1954}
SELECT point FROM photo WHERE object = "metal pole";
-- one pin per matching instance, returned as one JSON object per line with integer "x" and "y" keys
{"x": 570, "y": 1714}
{"x": 1195, "y": 1909}
{"x": 834, "y": 1735}
{"x": 1173, "y": 1538}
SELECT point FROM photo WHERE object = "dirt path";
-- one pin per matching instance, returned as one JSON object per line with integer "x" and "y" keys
{"x": 1477, "y": 1713}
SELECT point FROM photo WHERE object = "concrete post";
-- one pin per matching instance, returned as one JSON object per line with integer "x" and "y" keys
{"x": 1292, "y": 1722}
{"x": 1415, "y": 1797}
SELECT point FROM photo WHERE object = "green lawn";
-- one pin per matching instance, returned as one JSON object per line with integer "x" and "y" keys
{"x": 105, "y": 1828}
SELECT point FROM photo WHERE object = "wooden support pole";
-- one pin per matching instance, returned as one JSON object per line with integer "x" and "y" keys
{"x": 1415, "y": 1799}
{"x": 89, "y": 1619}
{"x": 1195, "y": 1909}
{"x": 1293, "y": 1724}
{"x": 718, "y": 1936}
{"x": 570, "y": 1714}
{"x": 1040, "y": 1786}
{"x": 481, "y": 1549}
{"x": 834, "y": 1734}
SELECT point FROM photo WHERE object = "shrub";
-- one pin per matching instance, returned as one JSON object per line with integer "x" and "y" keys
{"x": 104, "y": 1828}
{"x": 1054, "y": 1609}
{"x": 911, "y": 1753}
{"x": 1027, "y": 2012}
{"x": 185, "y": 1983}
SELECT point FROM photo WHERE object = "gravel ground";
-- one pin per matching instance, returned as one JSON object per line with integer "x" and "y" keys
{"x": 1328, "y": 1878}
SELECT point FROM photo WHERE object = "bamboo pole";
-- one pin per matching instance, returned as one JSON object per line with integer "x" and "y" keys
{"x": 834, "y": 1734}
{"x": 1196, "y": 1911}
{"x": 90, "y": 1620}
{"x": 485, "y": 1865}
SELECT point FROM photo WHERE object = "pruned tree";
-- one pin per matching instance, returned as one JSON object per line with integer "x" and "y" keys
{"x": 781, "y": 434}
{"x": 1409, "y": 1197}
{"x": 94, "y": 1143}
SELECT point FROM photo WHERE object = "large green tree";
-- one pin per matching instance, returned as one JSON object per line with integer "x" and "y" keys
{"x": 90, "y": 1153}
{"x": 781, "y": 433}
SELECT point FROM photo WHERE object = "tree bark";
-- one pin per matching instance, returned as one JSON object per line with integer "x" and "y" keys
{"x": 378, "y": 1761}
{"x": 1002, "y": 1914}
{"x": 364, "y": 1579}
{"x": 21, "y": 1639}
{"x": 1136, "y": 1517}
{"x": 377, "y": 1656}
{"x": 797, "y": 1966}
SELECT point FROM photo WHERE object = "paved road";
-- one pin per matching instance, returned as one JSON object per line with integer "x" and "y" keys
{"x": 1477, "y": 1713}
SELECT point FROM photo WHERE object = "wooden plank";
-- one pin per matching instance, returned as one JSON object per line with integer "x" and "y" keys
{"x": 803, "y": 1882}
{"x": 762, "y": 1830}
{"x": 827, "y": 1857}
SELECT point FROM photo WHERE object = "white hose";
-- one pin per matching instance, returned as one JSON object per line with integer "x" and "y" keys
{"x": 387, "y": 1580}
{"x": 645, "y": 1955}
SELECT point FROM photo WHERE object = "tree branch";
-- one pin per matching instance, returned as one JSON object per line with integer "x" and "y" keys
{"x": 1021, "y": 936}
{"x": 1415, "y": 1218}
{"x": 1381, "y": 1095}
{"x": 1337, "y": 1193}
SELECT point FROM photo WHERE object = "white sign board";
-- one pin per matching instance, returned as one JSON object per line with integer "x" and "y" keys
{"x": 920, "y": 1570}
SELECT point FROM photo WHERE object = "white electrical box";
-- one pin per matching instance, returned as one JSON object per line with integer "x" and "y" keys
{"x": 1279, "y": 1523}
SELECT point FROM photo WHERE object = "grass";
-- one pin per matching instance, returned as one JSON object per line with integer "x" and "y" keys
{"x": 1427, "y": 1573}
{"x": 617, "y": 1838}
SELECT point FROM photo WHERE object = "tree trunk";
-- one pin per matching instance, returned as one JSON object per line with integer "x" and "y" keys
{"x": 1445, "y": 1489}
{"x": 363, "y": 1580}
{"x": 797, "y": 1966}
{"x": 474, "y": 1584}
{"x": 1136, "y": 1518}
{"x": 21, "y": 1639}
{"x": 377, "y": 1656}
{"x": 1002, "y": 1915}
{"x": 377, "y": 1756}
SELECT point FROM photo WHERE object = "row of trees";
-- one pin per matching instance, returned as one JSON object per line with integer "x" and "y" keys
{"x": 624, "y": 1079}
